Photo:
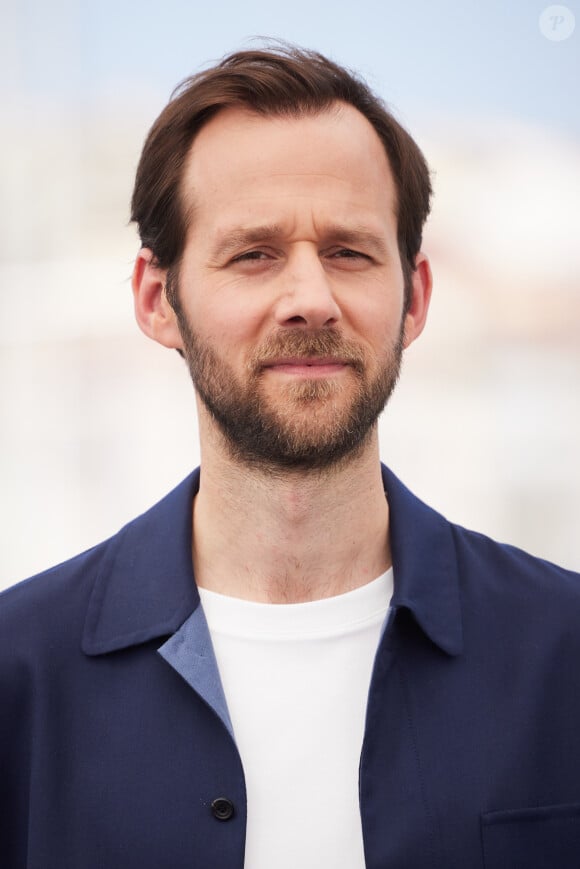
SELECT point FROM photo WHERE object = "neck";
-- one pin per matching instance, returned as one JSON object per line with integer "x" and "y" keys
{"x": 289, "y": 537}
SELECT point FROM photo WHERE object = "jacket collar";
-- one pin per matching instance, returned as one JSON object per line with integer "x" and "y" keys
{"x": 424, "y": 565}
{"x": 145, "y": 586}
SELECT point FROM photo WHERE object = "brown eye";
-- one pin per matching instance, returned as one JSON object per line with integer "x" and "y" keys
{"x": 347, "y": 253}
{"x": 250, "y": 255}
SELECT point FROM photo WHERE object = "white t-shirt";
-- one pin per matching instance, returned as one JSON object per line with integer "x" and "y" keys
{"x": 296, "y": 680}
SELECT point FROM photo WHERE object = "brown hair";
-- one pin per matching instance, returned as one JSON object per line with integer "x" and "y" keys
{"x": 285, "y": 81}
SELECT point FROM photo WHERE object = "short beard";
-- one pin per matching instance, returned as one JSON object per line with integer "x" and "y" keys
{"x": 312, "y": 429}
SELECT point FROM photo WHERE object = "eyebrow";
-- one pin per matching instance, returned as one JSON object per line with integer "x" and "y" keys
{"x": 230, "y": 241}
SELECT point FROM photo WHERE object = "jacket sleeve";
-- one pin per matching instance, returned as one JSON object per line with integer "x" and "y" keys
{"x": 15, "y": 735}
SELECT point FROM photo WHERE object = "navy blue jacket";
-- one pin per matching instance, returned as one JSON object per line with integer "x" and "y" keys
{"x": 115, "y": 739}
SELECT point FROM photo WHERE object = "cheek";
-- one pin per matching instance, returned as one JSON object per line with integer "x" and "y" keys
{"x": 232, "y": 340}
{"x": 377, "y": 325}
{"x": 233, "y": 323}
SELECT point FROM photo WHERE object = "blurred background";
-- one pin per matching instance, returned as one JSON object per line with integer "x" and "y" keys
{"x": 97, "y": 422}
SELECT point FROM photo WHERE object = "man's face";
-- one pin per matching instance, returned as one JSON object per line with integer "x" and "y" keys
{"x": 290, "y": 291}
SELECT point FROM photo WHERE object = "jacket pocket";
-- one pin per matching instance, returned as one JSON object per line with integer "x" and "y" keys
{"x": 543, "y": 837}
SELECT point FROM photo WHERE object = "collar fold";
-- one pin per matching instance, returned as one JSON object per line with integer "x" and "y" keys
{"x": 145, "y": 586}
{"x": 425, "y": 566}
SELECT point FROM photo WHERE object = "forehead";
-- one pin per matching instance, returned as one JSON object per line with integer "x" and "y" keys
{"x": 339, "y": 117}
{"x": 236, "y": 138}
{"x": 241, "y": 159}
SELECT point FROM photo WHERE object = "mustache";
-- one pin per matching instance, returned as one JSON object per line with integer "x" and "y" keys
{"x": 308, "y": 344}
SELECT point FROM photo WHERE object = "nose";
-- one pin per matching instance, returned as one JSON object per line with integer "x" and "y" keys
{"x": 306, "y": 296}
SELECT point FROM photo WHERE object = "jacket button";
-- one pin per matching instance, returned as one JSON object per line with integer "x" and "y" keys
{"x": 222, "y": 808}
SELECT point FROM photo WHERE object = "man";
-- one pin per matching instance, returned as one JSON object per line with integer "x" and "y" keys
{"x": 290, "y": 661}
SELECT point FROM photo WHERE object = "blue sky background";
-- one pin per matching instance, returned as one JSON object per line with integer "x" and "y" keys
{"x": 430, "y": 60}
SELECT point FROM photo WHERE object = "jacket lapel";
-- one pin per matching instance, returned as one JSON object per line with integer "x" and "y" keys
{"x": 145, "y": 589}
{"x": 145, "y": 586}
{"x": 425, "y": 566}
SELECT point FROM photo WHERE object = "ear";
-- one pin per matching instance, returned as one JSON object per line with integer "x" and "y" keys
{"x": 154, "y": 314}
{"x": 422, "y": 283}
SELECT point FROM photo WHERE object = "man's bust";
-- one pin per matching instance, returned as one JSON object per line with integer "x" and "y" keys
{"x": 290, "y": 661}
